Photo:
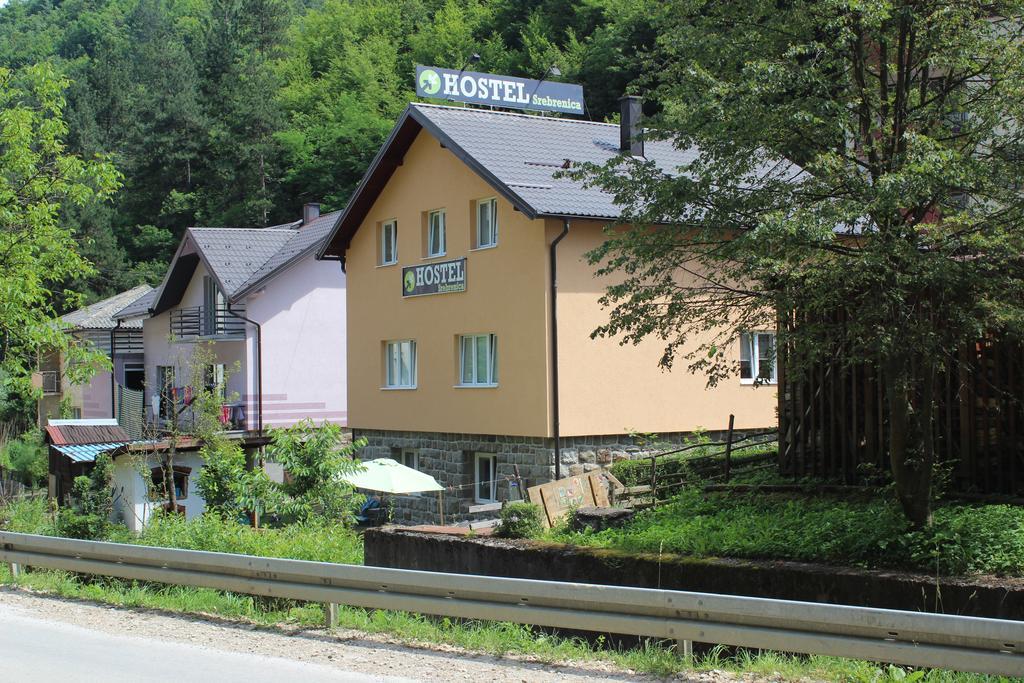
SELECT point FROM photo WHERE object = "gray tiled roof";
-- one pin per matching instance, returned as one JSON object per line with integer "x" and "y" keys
{"x": 136, "y": 309}
{"x": 240, "y": 258}
{"x": 236, "y": 254}
{"x": 100, "y": 315}
{"x": 517, "y": 154}
{"x": 524, "y": 151}
{"x": 303, "y": 241}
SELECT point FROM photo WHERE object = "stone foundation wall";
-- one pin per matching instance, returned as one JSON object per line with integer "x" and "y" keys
{"x": 449, "y": 458}
{"x": 980, "y": 596}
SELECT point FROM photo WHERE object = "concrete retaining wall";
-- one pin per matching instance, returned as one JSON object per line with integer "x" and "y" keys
{"x": 982, "y": 596}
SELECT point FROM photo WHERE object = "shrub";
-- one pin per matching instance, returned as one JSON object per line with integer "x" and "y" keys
{"x": 27, "y": 458}
{"x": 28, "y": 516}
{"x": 520, "y": 520}
{"x": 92, "y": 502}
{"x": 223, "y": 467}
{"x": 314, "y": 491}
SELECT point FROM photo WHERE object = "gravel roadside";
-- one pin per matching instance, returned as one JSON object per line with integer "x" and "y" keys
{"x": 345, "y": 650}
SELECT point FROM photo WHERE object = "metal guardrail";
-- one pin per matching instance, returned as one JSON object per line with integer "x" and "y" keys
{"x": 992, "y": 646}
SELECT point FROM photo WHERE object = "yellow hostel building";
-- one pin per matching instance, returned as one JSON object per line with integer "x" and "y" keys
{"x": 463, "y": 360}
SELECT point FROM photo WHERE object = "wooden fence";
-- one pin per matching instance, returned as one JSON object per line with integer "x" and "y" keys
{"x": 833, "y": 423}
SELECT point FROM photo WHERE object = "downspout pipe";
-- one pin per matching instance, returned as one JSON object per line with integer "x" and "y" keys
{"x": 554, "y": 348}
{"x": 259, "y": 366}
{"x": 113, "y": 370}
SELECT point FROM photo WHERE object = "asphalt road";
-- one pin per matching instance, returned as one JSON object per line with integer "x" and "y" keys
{"x": 48, "y": 638}
{"x": 34, "y": 649}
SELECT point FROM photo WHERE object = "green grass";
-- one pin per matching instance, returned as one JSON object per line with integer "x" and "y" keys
{"x": 316, "y": 542}
{"x": 964, "y": 539}
{"x": 495, "y": 638}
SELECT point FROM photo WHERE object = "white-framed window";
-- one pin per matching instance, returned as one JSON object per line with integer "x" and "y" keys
{"x": 485, "y": 478}
{"x": 478, "y": 360}
{"x": 388, "y": 243}
{"x": 409, "y": 457}
{"x": 436, "y": 239}
{"x": 757, "y": 358}
{"x": 400, "y": 364}
{"x": 486, "y": 223}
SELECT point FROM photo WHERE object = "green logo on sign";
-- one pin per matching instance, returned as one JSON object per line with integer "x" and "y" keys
{"x": 430, "y": 82}
{"x": 410, "y": 282}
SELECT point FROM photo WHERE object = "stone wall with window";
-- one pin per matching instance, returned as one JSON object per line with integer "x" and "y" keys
{"x": 452, "y": 460}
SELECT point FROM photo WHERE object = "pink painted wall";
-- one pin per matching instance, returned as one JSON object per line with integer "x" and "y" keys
{"x": 302, "y": 311}
{"x": 161, "y": 350}
{"x": 95, "y": 396}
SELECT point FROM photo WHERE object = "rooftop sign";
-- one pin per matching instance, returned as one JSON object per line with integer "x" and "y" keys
{"x": 498, "y": 91}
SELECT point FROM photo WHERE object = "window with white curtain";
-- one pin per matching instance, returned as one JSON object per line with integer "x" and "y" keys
{"x": 400, "y": 364}
{"x": 436, "y": 238}
{"x": 478, "y": 354}
{"x": 485, "y": 478}
{"x": 757, "y": 358}
{"x": 486, "y": 223}
{"x": 388, "y": 242}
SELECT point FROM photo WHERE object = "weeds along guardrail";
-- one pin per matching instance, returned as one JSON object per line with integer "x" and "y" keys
{"x": 991, "y": 646}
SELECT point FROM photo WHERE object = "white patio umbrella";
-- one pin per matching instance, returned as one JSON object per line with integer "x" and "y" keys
{"x": 387, "y": 476}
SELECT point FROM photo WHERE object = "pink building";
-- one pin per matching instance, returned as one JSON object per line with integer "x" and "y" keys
{"x": 270, "y": 313}
{"x": 121, "y": 341}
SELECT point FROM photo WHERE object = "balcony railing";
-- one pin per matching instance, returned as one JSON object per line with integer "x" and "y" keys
{"x": 232, "y": 417}
{"x": 200, "y": 321}
{"x": 51, "y": 381}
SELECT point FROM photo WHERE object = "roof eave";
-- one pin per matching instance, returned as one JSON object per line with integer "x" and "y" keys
{"x": 351, "y": 204}
{"x": 159, "y": 306}
{"x": 345, "y": 227}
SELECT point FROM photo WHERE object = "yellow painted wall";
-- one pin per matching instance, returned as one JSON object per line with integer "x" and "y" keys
{"x": 506, "y": 295}
{"x": 605, "y": 388}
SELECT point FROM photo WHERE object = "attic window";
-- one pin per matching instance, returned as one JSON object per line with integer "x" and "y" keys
{"x": 565, "y": 163}
{"x": 531, "y": 186}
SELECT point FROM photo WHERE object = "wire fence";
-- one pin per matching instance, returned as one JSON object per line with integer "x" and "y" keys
{"x": 715, "y": 460}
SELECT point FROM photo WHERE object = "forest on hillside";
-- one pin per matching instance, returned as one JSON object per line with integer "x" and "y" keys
{"x": 236, "y": 112}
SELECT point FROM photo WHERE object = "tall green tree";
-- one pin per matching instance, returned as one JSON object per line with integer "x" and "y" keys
{"x": 907, "y": 214}
{"x": 38, "y": 250}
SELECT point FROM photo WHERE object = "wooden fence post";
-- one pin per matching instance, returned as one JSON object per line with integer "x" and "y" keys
{"x": 654, "y": 481}
{"x": 728, "y": 447}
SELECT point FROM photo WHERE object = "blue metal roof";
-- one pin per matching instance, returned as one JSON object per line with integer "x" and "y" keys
{"x": 87, "y": 452}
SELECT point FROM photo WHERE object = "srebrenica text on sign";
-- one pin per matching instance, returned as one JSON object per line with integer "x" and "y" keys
{"x": 434, "y": 278}
{"x": 498, "y": 91}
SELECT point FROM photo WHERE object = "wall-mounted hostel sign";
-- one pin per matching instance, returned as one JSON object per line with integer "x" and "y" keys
{"x": 498, "y": 91}
{"x": 434, "y": 278}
